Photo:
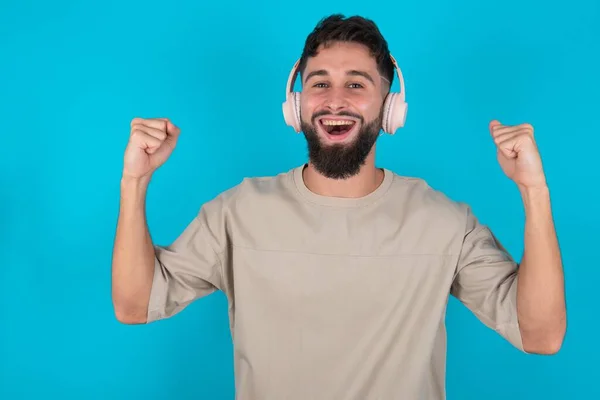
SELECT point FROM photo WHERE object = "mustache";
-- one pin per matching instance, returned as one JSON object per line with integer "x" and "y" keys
{"x": 341, "y": 113}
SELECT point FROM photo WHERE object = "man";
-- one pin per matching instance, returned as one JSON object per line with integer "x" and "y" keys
{"x": 337, "y": 272}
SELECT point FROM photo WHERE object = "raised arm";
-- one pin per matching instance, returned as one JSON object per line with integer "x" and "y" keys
{"x": 150, "y": 144}
{"x": 540, "y": 292}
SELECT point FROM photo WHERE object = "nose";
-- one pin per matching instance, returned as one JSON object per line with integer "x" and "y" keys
{"x": 335, "y": 100}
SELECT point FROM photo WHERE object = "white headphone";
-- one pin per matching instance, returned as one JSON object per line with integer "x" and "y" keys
{"x": 394, "y": 107}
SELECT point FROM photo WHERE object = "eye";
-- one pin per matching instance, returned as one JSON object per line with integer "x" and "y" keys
{"x": 323, "y": 85}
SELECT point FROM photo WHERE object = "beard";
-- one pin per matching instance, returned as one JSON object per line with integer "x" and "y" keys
{"x": 343, "y": 160}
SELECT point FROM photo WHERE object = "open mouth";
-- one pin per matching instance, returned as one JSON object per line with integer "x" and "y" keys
{"x": 337, "y": 129}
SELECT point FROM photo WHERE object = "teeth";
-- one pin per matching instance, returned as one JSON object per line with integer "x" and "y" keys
{"x": 338, "y": 122}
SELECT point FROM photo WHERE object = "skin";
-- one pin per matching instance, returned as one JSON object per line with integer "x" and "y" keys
{"x": 339, "y": 91}
{"x": 540, "y": 294}
{"x": 540, "y": 297}
{"x": 151, "y": 142}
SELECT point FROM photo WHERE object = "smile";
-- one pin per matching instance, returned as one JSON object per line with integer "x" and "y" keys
{"x": 337, "y": 129}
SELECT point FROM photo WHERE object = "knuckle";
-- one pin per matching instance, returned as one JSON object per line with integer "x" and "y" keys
{"x": 525, "y": 137}
{"x": 136, "y": 131}
{"x": 161, "y": 134}
{"x": 136, "y": 126}
{"x": 136, "y": 121}
{"x": 138, "y": 135}
{"x": 157, "y": 134}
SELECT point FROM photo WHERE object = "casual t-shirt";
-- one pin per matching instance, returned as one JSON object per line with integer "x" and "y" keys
{"x": 338, "y": 298}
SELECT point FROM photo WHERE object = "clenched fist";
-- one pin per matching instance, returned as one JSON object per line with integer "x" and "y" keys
{"x": 518, "y": 154}
{"x": 151, "y": 142}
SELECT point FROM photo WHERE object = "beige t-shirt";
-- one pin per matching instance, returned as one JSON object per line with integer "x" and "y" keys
{"x": 338, "y": 298}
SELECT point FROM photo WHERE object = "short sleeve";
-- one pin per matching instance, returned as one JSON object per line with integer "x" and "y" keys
{"x": 486, "y": 281}
{"x": 186, "y": 270}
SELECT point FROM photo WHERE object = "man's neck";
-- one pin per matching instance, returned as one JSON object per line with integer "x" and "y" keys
{"x": 366, "y": 181}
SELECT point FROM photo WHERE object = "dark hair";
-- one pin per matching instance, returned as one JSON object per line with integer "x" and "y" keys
{"x": 337, "y": 28}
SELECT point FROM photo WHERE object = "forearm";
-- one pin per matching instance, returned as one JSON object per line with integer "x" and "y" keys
{"x": 540, "y": 293}
{"x": 133, "y": 255}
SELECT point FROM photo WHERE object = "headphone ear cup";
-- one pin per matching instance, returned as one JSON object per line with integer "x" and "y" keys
{"x": 288, "y": 112}
{"x": 291, "y": 111}
{"x": 394, "y": 113}
{"x": 296, "y": 98}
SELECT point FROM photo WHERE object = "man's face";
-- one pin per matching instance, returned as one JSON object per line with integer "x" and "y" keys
{"x": 341, "y": 102}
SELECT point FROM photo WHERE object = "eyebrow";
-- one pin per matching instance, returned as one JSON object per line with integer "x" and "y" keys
{"x": 353, "y": 72}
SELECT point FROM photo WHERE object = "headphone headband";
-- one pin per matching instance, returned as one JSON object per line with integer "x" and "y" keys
{"x": 292, "y": 79}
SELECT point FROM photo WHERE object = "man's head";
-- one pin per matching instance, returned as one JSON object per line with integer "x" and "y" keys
{"x": 346, "y": 72}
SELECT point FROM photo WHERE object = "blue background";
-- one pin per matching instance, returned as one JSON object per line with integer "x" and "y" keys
{"x": 73, "y": 74}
